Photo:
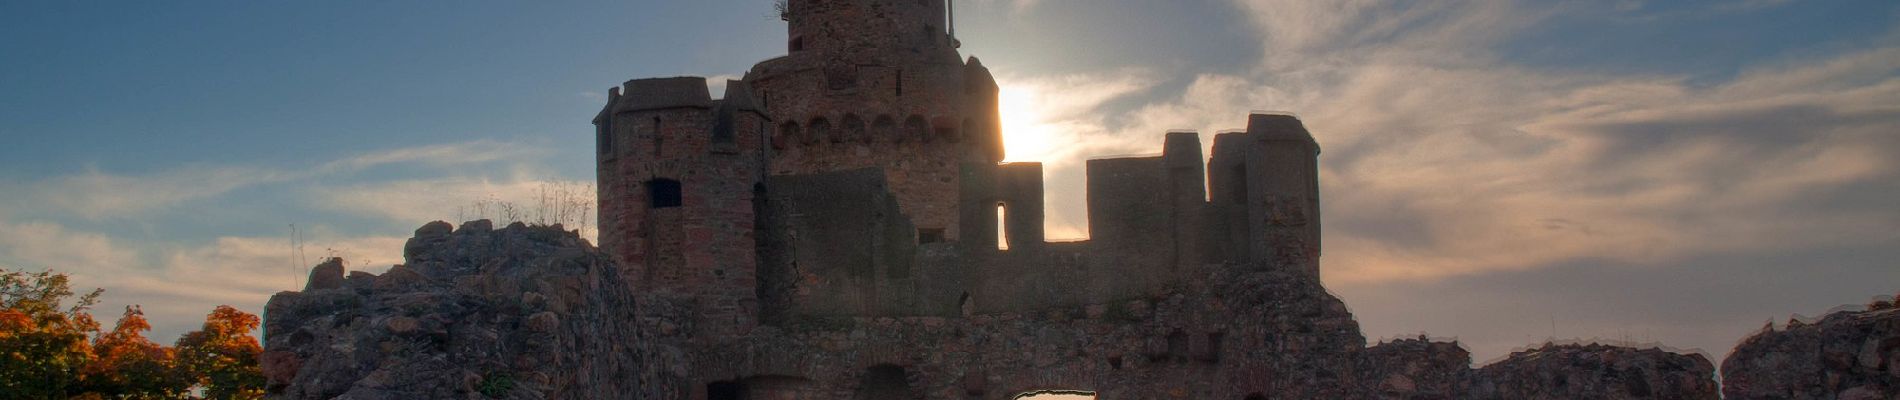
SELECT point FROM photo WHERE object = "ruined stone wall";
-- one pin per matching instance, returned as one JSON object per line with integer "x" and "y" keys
{"x": 475, "y": 312}
{"x": 836, "y": 245}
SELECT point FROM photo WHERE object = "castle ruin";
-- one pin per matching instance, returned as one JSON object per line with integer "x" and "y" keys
{"x": 839, "y": 225}
{"x": 859, "y": 177}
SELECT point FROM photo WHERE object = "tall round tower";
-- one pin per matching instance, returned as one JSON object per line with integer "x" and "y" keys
{"x": 879, "y": 83}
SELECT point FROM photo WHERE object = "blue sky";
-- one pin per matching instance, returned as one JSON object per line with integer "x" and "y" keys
{"x": 1502, "y": 172}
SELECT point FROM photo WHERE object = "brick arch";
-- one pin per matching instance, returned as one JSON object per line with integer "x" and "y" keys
{"x": 883, "y": 128}
{"x": 851, "y": 129}
{"x": 817, "y": 131}
{"x": 916, "y": 128}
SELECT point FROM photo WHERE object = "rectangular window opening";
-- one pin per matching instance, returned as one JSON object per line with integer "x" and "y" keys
{"x": 663, "y": 193}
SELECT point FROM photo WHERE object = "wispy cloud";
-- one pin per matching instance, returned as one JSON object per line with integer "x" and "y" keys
{"x": 177, "y": 281}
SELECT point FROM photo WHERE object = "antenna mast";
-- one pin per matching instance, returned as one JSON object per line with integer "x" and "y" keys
{"x": 951, "y": 6}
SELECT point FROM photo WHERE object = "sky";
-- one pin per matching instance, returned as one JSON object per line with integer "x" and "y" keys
{"x": 1502, "y": 173}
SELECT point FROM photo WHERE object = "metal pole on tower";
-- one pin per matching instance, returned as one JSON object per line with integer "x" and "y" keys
{"x": 951, "y": 6}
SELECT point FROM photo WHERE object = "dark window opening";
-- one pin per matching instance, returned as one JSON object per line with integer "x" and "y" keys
{"x": 1177, "y": 345}
{"x": 1212, "y": 352}
{"x": 663, "y": 193}
{"x": 900, "y": 83}
{"x": 659, "y": 139}
{"x": 798, "y": 43}
{"x": 885, "y": 382}
{"x": 929, "y": 235}
{"x": 1256, "y": 396}
{"x": 726, "y": 390}
{"x": 1115, "y": 362}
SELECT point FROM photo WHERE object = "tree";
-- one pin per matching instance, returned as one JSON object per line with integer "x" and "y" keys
{"x": 222, "y": 357}
{"x": 127, "y": 364}
{"x": 43, "y": 346}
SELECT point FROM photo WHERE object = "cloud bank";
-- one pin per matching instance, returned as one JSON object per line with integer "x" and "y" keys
{"x": 1445, "y": 160}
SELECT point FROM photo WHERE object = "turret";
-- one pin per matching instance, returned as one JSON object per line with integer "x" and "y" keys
{"x": 678, "y": 172}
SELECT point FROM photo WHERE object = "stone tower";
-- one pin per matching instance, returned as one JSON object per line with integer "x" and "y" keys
{"x": 680, "y": 176}
{"x": 879, "y": 83}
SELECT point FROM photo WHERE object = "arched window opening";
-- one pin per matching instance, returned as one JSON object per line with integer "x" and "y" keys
{"x": 916, "y": 127}
{"x": 663, "y": 193}
{"x": 819, "y": 130}
{"x": 884, "y": 128}
{"x": 853, "y": 130}
{"x": 885, "y": 382}
{"x": 964, "y": 307}
{"x": 1002, "y": 226}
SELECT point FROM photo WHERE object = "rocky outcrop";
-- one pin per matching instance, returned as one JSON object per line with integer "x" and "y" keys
{"x": 1845, "y": 355}
{"x": 520, "y": 312}
{"x": 1416, "y": 369}
{"x": 1596, "y": 371}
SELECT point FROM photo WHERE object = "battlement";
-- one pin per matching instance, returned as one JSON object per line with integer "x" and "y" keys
{"x": 850, "y": 25}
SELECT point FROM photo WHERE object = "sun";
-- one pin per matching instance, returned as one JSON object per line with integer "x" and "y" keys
{"x": 1026, "y": 137}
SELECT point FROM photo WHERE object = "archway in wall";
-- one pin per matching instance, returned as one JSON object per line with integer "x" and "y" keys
{"x": 1056, "y": 394}
{"x": 885, "y": 382}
